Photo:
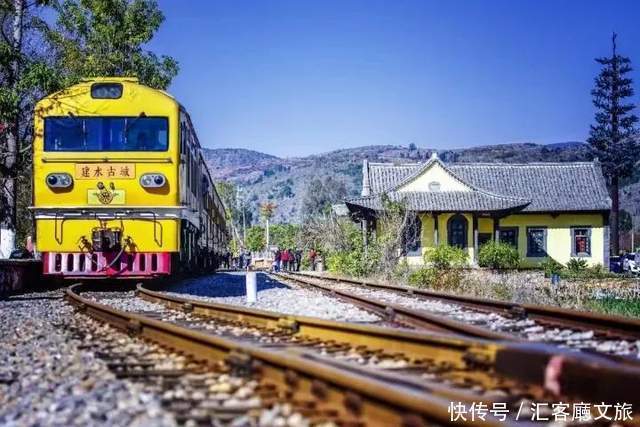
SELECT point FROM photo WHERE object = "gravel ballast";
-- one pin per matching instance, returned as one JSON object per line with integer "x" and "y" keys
{"x": 47, "y": 379}
{"x": 229, "y": 288}
{"x": 59, "y": 367}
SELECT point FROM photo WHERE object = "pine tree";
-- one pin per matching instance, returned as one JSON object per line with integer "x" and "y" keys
{"x": 614, "y": 139}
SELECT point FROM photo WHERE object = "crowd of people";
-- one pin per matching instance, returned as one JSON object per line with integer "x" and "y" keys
{"x": 287, "y": 260}
{"x": 291, "y": 259}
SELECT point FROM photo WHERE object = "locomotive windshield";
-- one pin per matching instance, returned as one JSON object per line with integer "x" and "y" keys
{"x": 106, "y": 133}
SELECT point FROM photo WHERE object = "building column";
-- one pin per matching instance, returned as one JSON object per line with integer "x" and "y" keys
{"x": 475, "y": 237}
{"x": 436, "y": 238}
{"x": 496, "y": 229}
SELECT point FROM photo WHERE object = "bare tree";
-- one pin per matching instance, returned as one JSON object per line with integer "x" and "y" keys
{"x": 385, "y": 246}
{"x": 396, "y": 229}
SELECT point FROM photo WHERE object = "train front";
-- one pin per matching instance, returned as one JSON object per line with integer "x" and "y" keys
{"x": 105, "y": 180}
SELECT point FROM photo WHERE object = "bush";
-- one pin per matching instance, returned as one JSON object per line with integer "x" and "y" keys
{"x": 498, "y": 256}
{"x": 424, "y": 277}
{"x": 577, "y": 265}
{"x": 354, "y": 259}
{"x": 580, "y": 271}
{"x": 445, "y": 257}
{"x": 551, "y": 266}
{"x": 356, "y": 262}
{"x": 437, "y": 279}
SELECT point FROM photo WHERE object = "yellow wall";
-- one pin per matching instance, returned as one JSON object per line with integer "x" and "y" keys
{"x": 435, "y": 173}
{"x": 558, "y": 234}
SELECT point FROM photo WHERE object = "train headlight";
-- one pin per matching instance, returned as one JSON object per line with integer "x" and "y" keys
{"x": 106, "y": 90}
{"x": 59, "y": 180}
{"x": 153, "y": 180}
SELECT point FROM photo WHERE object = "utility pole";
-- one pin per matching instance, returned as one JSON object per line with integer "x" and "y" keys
{"x": 240, "y": 201}
{"x": 633, "y": 235}
{"x": 244, "y": 223}
{"x": 8, "y": 190}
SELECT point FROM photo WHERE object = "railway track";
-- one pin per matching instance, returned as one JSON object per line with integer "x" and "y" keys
{"x": 451, "y": 368}
{"x": 346, "y": 396}
{"x": 614, "y": 336}
{"x": 368, "y": 375}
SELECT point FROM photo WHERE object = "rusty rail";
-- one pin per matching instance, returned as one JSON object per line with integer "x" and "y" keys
{"x": 403, "y": 315}
{"x": 583, "y": 376}
{"x": 355, "y": 393}
{"x": 551, "y": 316}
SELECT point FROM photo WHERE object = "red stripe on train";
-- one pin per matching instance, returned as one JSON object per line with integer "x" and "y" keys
{"x": 106, "y": 264}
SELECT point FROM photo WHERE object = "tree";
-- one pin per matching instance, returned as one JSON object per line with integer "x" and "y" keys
{"x": 24, "y": 77}
{"x": 255, "y": 238}
{"x": 613, "y": 138}
{"x": 91, "y": 38}
{"x": 266, "y": 211}
{"x": 626, "y": 221}
{"x": 284, "y": 236}
{"x": 320, "y": 194}
{"x": 94, "y": 38}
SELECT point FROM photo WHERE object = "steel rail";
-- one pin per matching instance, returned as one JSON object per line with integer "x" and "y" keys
{"x": 355, "y": 393}
{"x": 407, "y": 316}
{"x": 585, "y": 376}
{"x": 551, "y": 316}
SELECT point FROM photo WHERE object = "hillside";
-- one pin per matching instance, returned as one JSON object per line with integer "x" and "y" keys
{"x": 283, "y": 181}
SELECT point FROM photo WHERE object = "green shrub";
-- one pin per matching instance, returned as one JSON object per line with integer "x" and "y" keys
{"x": 551, "y": 266}
{"x": 498, "y": 256}
{"x": 437, "y": 279}
{"x": 445, "y": 257}
{"x": 356, "y": 262}
{"x": 577, "y": 265}
{"x": 423, "y": 277}
{"x": 598, "y": 271}
{"x": 583, "y": 272}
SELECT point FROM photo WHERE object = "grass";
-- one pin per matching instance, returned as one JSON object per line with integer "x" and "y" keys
{"x": 615, "y": 306}
{"x": 612, "y": 295}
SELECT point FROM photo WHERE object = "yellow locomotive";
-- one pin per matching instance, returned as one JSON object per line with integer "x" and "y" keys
{"x": 120, "y": 186}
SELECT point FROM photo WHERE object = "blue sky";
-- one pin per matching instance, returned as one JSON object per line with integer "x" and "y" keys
{"x": 299, "y": 77}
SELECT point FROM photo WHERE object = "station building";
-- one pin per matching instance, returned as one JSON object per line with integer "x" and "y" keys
{"x": 557, "y": 210}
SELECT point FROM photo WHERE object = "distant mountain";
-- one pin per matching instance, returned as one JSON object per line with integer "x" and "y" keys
{"x": 284, "y": 180}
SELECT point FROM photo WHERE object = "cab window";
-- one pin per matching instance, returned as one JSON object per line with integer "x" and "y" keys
{"x": 106, "y": 133}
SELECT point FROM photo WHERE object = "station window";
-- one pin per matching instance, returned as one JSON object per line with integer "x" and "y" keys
{"x": 581, "y": 241}
{"x": 536, "y": 242}
{"x": 509, "y": 235}
{"x": 484, "y": 238}
{"x": 413, "y": 235}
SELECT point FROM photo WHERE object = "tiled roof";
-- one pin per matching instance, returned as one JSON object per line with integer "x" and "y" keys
{"x": 383, "y": 176}
{"x": 547, "y": 187}
{"x": 446, "y": 201}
